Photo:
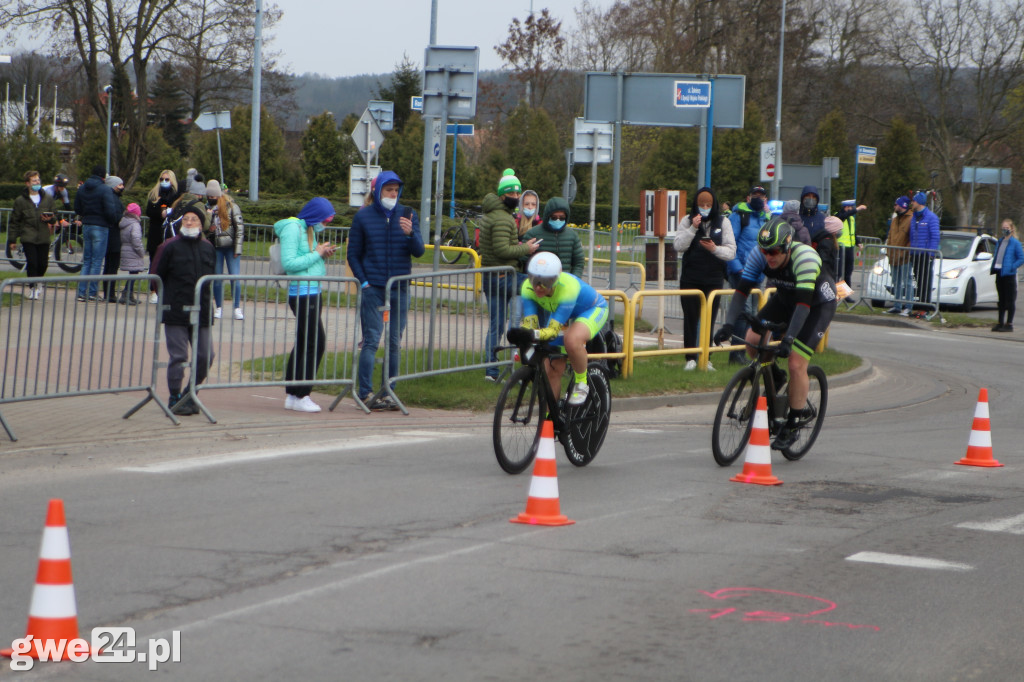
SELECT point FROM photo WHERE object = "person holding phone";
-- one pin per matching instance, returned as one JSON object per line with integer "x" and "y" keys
{"x": 706, "y": 249}
{"x": 32, "y": 221}
{"x": 303, "y": 256}
{"x": 384, "y": 238}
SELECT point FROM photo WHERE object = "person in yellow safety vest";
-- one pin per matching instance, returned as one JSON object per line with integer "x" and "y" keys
{"x": 847, "y": 239}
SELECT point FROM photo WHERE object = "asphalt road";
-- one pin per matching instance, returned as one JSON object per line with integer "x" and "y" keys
{"x": 380, "y": 548}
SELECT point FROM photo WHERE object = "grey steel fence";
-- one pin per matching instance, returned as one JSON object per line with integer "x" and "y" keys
{"x": 899, "y": 277}
{"x": 57, "y": 346}
{"x": 256, "y": 350}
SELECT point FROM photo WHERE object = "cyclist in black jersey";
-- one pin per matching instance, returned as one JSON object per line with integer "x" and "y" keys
{"x": 805, "y": 297}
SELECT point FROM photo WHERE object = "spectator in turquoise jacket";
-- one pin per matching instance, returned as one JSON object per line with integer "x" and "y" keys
{"x": 302, "y": 255}
{"x": 553, "y": 235}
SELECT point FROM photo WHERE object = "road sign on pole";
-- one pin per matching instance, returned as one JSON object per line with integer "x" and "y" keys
{"x": 769, "y": 166}
{"x": 359, "y": 184}
{"x": 416, "y": 103}
{"x": 215, "y": 120}
{"x": 368, "y": 136}
{"x": 866, "y": 155}
{"x": 693, "y": 94}
{"x": 383, "y": 112}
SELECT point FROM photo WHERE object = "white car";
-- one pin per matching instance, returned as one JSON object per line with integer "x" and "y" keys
{"x": 965, "y": 278}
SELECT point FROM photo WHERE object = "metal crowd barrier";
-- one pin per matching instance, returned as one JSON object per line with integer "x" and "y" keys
{"x": 57, "y": 346}
{"x": 446, "y": 327}
{"x": 879, "y": 282}
{"x": 255, "y": 351}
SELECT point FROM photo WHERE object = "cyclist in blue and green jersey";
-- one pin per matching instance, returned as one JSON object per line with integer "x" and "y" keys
{"x": 805, "y": 297}
{"x": 572, "y": 313}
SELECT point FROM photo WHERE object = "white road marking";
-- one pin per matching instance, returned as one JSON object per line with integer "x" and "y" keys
{"x": 642, "y": 431}
{"x": 1013, "y": 524}
{"x": 654, "y": 339}
{"x": 195, "y": 463}
{"x": 908, "y": 561}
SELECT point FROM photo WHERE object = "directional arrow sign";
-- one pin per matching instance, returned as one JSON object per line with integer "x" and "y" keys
{"x": 367, "y": 125}
{"x": 212, "y": 120}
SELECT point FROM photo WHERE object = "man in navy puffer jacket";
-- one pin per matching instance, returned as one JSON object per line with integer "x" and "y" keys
{"x": 384, "y": 239}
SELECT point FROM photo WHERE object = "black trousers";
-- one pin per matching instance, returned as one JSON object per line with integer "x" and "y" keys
{"x": 1006, "y": 287}
{"x": 922, "y": 265}
{"x": 691, "y": 311}
{"x": 111, "y": 264}
{"x": 310, "y": 339}
{"x": 37, "y": 259}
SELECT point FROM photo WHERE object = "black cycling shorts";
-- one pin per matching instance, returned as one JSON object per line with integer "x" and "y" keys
{"x": 778, "y": 309}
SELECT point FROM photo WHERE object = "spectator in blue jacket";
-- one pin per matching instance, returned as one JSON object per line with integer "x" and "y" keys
{"x": 1009, "y": 257}
{"x": 812, "y": 218}
{"x": 746, "y": 219}
{"x": 384, "y": 238}
{"x": 924, "y": 235}
{"x": 100, "y": 212}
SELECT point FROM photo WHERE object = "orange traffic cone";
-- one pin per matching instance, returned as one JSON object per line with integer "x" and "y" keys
{"x": 979, "y": 445}
{"x": 542, "y": 507}
{"x": 52, "y": 614}
{"x": 757, "y": 462}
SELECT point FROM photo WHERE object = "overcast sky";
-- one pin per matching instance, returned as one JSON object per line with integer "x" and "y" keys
{"x": 352, "y": 38}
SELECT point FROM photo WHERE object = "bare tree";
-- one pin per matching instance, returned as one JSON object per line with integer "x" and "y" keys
{"x": 534, "y": 51}
{"x": 960, "y": 61}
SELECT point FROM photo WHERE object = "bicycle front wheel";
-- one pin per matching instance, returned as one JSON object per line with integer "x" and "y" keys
{"x": 587, "y": 424}
{"x": 518, "y": 417}
{"x": 16, "y": 256}
{"x": 68, "y": 251}
{"x": 734, "y": 416}
{"x": 817, "y": 398}
{"x": 453, "y": 236}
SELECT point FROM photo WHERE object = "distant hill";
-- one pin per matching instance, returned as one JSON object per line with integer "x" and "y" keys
{"x": 315, "y": 94}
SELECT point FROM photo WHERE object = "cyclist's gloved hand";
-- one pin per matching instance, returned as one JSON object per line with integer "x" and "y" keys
{"x": 724, "y": 335}
{"x": 785, "y": 346}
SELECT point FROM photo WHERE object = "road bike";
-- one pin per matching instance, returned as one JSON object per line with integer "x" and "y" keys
{"x": 526, "y": 401}
{"x": 67, "y": 247}
{"x": 463, "y": 235}
{"x": 733, "y": 419}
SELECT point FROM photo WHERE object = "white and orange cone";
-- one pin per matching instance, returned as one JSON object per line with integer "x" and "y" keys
{"x": 52, "y": 614}
{"x": 542, "y": 507}
{"x": 757, "y": 462}
{"x": 979, "y": 445}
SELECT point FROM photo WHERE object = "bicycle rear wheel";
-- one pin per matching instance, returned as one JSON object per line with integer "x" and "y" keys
{"x": 734, "y": 417}
{"x": 68, "y": 251}
{"x": 453, "y": 236}
{"x": 518, "y": 417}
{"x": 817, "y": 397}
{"x": 16, "y": 256}
{"x": 587, "y": 424}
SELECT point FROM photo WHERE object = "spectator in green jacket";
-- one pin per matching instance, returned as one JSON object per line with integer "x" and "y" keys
{"x": 499, "y": 245}
{"x": 32, "y": 221}
{"x": 553, "y": 235}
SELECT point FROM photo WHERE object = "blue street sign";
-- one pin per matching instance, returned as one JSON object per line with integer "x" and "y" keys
{"x": 693, "y": 93}
{"x": 417, "y": 103}
{"x": 460, "y": 129}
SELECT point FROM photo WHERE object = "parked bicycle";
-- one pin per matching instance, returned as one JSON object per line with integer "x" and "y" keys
{"x": 465, "y": 234}
{"x": 735, "y": 413}
{"x": 526, "y": 401}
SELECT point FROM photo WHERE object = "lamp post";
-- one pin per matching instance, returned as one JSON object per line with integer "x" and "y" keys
{"x": 778, "y": 107}
{"x": 108, "y": 89}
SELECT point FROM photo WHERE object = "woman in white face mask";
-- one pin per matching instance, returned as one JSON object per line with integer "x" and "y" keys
{"x": 707, "y": 243}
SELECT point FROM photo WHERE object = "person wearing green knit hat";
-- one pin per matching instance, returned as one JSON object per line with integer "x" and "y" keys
{"x": 500, "y": 246}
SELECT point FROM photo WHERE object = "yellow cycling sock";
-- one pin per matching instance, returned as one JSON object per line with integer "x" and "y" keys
{"x": 581, "y": 378}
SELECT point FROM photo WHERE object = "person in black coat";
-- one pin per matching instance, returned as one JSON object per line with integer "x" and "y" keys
{"x": 180, "y": 262}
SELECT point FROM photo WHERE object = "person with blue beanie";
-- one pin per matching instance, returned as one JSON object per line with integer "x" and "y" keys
{"x": 301, "y": 255}
{"x": 384, "y": 238}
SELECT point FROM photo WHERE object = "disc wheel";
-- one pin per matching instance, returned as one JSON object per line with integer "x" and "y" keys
{"x": 587, "y": 424}
{"x": 453, "y": 236}
{"x": 733, "y": 418}
{"x": 817, "y": 397}
{"x": 518, "y": 417}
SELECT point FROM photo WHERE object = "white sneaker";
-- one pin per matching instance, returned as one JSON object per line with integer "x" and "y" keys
{"x": 690, "y": 365}
{"x": 239, "y": 315}
{"x": 289, "y": 401}
{"x": 305, "y": 404}
{"x": 217, "y": 313}
{"x": 152, "y": 297}
{"x": 905, "y": 313}
{"x": 579, "y": 394}
{"x": 711, "y": 368}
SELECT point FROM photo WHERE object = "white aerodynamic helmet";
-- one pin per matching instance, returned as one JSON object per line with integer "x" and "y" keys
{"x": 544, "y": 269}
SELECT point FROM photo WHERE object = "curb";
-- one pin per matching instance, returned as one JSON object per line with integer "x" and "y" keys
{"x": 650, "y": 402}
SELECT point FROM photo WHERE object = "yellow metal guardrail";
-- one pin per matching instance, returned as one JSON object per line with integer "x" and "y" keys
{"x": 474, "y": 258}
